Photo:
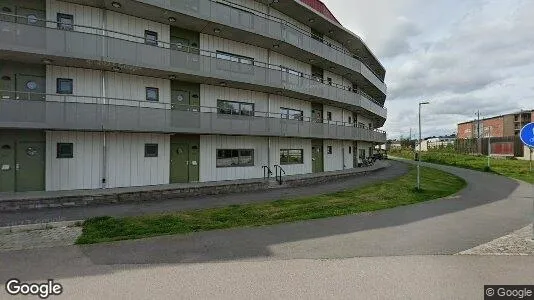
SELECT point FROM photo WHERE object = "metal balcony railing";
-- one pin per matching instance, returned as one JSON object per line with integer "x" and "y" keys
{"x": 295, "y": 27}
{"x": 72, "y": 112}
{"x": 177, "y": 47}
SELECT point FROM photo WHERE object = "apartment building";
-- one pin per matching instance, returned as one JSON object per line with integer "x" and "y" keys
{"x": 101, "y": 94}
{"x": 501, "y": 126}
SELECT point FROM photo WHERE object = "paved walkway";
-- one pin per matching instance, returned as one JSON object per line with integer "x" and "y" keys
{"x": 130, "y": 209}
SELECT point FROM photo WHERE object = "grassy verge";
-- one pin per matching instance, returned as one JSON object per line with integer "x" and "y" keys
{"x": 517, "y": 169}
{"x": 387, "y": 194}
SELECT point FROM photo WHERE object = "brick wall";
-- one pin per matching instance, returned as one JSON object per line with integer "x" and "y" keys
{"x": 465, "y": 130}
{"x": 497, "y": 127}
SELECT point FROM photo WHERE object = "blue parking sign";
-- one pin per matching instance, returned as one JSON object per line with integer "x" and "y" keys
{"x": 527, "y": 134}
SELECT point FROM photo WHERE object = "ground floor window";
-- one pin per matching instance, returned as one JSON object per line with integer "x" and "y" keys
{"x": 235, "y": 158}
{"x": 362, "y": 153}
{"x": 151, "y": 150}
{"x": 65, "y": 150}
{"x": 291, "y": 156}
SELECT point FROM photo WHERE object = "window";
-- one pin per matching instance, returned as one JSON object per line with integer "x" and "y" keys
{"x": 151, "y": 38}
{"x": 350, "y": 120}
{"x": 235, "y": 58}
{"x": 152, "y": 94}
{"x": 291, "y": 71}
{"x": 291, "y": 156}
{"x": 362, "y": 153}
{"x": 350, "y": 149}
{"x": 64, "y": 86}
{"x": 329, "y": 115}
{"x": 151, "y": 150}
{"x": 235, "y": 158}
{"x": 65, "y": 150}
{"x": 329, "y": 150}
{"x": 361, "y": 125}
{"x": 291, "y": 114}
{"x": 329, "y": 80}
{"x": 370, "y": 126}
{"x": 65, "y": 22}
{"x": 235, "y": 108}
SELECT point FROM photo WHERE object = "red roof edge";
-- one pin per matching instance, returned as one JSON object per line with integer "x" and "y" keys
{"x": 321, "y": 8}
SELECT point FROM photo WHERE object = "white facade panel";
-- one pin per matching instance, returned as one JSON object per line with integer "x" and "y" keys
{"x": 253, "y": 5}
{"x": 211, "y": 43}
{"x": 209, "y": 94}
{"x": 278, "y": 101}
{"x": 336, "y": 79}
{"x": 133, "y": 87}
{"x": 337, "y": 114}
{"x": 208, "y": 157}
{"x": 85, "y": 82}
{"x": 127, "y": 164}
{"x": 83, "y": 171}
{"x": 83, "y": 15}
{"x": 278, "y": 143}
{"x": 133, "y": 29}
{"x": 277, "y": 59}
{"x": 333, "y": 161}
{"x": 290, "y": 20}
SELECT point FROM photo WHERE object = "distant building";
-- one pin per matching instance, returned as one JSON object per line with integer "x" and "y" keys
{"x": 437, "y": 142}
{"x": 501, "y": 126}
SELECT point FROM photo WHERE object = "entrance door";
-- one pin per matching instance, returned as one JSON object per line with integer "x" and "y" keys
{"x": 317, "y": 113}
{"x": 30, "y": 87}
{"x": 30, "y": 166}
{"x": 32, "y": 16}
{"x": 355, "y": 154}
{"x": 7, "y": 165}
{"x": 180, "y": 100}
{"x": 185, "y": 160}
{"x": 317, "y": 157}
{"x": 22, "y": 164}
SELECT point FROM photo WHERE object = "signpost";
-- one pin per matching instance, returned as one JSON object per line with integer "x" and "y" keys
{"x": 527, "y": 137}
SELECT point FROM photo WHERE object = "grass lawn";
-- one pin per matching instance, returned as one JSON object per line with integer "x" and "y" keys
{"x": 386, "y": 194}
{"x": 517, "y": 169}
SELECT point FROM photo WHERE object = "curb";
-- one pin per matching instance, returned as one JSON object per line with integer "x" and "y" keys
{"x": 38, "y": 226}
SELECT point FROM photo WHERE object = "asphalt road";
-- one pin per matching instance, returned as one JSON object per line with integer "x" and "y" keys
{"x": 409, "y": 277}
{"x": 132, "y": 209}
{"x": 386, "y": 254}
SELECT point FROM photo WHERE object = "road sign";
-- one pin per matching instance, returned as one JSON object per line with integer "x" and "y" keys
{"x": 527, "y": 134}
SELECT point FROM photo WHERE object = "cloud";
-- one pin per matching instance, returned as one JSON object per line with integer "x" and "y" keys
{"x": 397, "y": 43}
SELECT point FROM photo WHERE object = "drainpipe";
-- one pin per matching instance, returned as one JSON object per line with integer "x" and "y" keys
{"x": 103, "y": 75}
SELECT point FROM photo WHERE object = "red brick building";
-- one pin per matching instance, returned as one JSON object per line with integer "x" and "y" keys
{"x": 501, "y": 126}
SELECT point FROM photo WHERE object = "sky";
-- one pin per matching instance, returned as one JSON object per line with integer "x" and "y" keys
{"x": 461, "y": 56}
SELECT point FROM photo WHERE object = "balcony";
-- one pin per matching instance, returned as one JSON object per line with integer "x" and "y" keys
{"x": 68, "y": 112}
{"x": 98, "y": 48}
{"x": 257, "y": 28}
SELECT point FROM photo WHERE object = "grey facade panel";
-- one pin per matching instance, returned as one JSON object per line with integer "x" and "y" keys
{"x": 96, "y": 117}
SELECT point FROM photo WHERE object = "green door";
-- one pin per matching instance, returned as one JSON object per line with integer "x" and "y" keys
{"x": 179, "y": 162}
{"x": 317, "y": 157}
{"x": 180, "y": 100}
{"x": 355, "y": 154}
{"x": 7, "y": 165}
{"x": 31, "y": 16}
{"x": 30, "y": 166}
{"x": 194, "y": 160}
{"x": 185, "y": 161}
{"x": 30, "y": 87}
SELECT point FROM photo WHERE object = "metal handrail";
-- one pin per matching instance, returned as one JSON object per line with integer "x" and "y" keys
{"x": 190, "y": 49}
{"x": 68, "y": 98}
{"x": 266, "y": 172}
{"x": 295, "y": 27}
{"x": 277, "y": 176}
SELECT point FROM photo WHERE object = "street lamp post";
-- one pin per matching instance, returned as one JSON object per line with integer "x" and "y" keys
{"x": 419, "y": 152}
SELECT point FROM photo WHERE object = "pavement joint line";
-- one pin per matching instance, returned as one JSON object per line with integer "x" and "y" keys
{"x": 38, "y": 226}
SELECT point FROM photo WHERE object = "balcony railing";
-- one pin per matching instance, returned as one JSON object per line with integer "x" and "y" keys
{"x": 125, "y": 48}
{"x": 303, "y": 32}
{"x": 72, "y": 112}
